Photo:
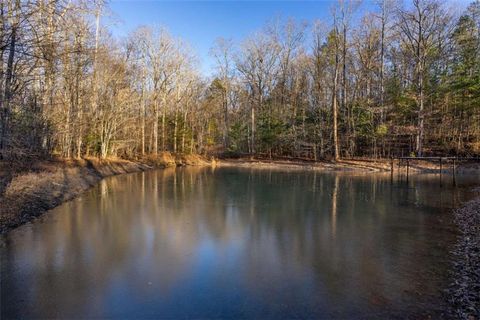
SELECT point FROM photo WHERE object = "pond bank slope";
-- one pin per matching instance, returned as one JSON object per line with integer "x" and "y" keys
{"x": 26, "y": 193}
{"x": 357, "y": 165}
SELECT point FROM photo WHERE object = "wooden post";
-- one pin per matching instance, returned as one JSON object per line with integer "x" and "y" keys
{"x": 398, "y": 171}
{"x": 454, "y": 171}
{"x": 408, "y": 168}
{"x": 391, "y": 169}
{"x": 440, "y": 171}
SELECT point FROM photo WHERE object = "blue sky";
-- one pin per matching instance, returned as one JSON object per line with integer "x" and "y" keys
{"x": 201, "y": 22}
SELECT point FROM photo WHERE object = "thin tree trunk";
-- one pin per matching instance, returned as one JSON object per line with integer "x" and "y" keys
{"x": 334, "y": 112}
{"x": 252, "y": 137}
{"x": 7, "y": 93}
{"x": 225, "y": 120}
{"x": 155, "y": 127}
{"x": 184, "y": 131}
{"x": 144, "y": 102}
{"x": 164, "y": 111}
{"x": 420, "y": 115}
{"x": 175, "y": 126}
{"x": 336, "y": 151}
{"x": 382, "y": 65}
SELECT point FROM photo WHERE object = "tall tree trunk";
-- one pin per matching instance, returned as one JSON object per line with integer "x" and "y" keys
{"x": 420, "y": 113}
{"x": 175, "y": 129}
{"x": 155, "y": 127}
{"x": 382, "y": 74}
{"x": 335, "y": 111}
{"x": 144, "y": 103}
{"x": 382, "y": 64}
{"x": 184, "y": 131}
{"x": 345, "y": 107}
{"x": 7, "y": 95}
{"x": 164, "y": 114}
{"x": 225, "y": 119}
{"x": 336, "y": 151}
{"x": 252, "y": 133}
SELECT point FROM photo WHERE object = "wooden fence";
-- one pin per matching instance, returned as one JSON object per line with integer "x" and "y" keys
{"x": 440, "y": 160}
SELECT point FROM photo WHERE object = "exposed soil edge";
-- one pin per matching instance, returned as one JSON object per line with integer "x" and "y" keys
{"x": 299, "y": 165}
{"x": 30, "y": 193}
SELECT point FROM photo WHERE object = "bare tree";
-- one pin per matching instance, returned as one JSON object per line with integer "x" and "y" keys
{"x": 421, "y": 30}
{"x": 258, "y": 65}
{"x": 223, "y": 54}
{"x": 68, "y": 88}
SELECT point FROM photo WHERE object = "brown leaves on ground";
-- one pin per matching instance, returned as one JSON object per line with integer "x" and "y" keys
{"x": 464, "y": 292}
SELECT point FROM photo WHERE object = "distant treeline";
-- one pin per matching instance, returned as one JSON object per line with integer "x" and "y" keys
{"x": 401, "y": 80}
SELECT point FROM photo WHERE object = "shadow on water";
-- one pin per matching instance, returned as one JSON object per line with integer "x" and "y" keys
{"x": 237, "y": 243}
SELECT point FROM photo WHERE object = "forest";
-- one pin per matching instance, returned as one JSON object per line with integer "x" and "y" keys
{"x": 401, "y": 80}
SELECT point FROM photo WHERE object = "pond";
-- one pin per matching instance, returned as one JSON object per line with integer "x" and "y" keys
{"x": 237, "y": 243}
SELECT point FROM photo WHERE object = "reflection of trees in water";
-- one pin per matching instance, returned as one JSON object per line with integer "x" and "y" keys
{"x": 334, "y": 207}
{"x": 348, "y": 236}
{"x": 349, "y": 231}
{"x": 94, "y": 244}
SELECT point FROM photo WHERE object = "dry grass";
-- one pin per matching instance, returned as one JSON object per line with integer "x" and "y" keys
{"x": 163, "y": 159}
{"x": 167, "y": 159}
{"x": 191, "y": 160}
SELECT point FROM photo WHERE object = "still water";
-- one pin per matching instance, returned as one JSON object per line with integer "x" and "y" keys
{"x": 236, "y": 243}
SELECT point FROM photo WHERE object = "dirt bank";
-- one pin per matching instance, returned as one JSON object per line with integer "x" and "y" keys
{"x": 27, "y": 191}
{"x": 167, "y": 159}
{"x": 49, "y": 183}
{"x": 303, "y": 165}
{"x": 464, "y": 292}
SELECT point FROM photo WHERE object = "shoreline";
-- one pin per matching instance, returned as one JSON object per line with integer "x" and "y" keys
{"x": 299, "y": 165}
{"x": 28, "y": 193}
{"x": 348, "y": 165}
{"x": 464, "y": 290}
